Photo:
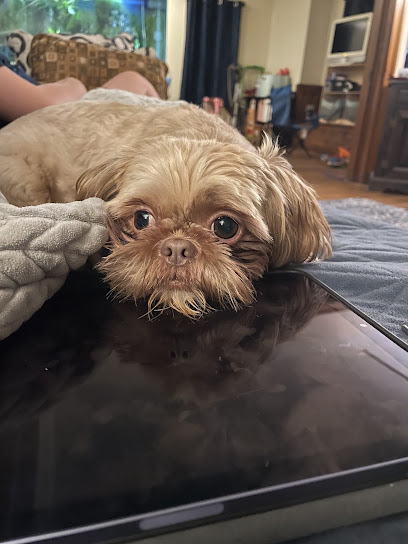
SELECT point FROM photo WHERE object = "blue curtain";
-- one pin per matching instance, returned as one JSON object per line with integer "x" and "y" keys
{"x": 212, "y": 39}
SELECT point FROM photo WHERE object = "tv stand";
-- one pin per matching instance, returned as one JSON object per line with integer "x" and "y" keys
{"x": 347, "y": 61}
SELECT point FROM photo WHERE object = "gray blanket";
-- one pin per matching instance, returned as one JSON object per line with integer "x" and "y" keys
{"x": 369, "y": 267}
{"x": 39, "y": 245}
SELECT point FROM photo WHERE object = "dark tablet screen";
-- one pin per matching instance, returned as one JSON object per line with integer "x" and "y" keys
{"x": 104, "y": 414}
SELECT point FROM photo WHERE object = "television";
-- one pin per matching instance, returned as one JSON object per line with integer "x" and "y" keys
{"x": 349, "y": 39}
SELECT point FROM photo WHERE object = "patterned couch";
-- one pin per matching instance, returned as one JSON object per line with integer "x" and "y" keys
{"x": 94, "y": 59}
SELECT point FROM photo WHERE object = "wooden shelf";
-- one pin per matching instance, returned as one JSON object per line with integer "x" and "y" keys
{"x": 352, "y": 93}
{"x": 334, "y": 124}
{"x": 356, "y": 65}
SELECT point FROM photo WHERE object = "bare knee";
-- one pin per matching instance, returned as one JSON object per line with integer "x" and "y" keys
{"x": 133, "y": 82}
{"x": 60, "y": 92}
{"x": 73, "y": 85}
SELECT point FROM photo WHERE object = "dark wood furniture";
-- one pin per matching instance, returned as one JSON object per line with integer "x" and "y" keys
{"x": 329, "y": 137}
{"x": 382, "y": 54}
{"x": 391, "y": 170}
{"x": 306, "y": 95}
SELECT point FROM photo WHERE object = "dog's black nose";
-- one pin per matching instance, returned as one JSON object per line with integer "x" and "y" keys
{"x": 178, "y": 250}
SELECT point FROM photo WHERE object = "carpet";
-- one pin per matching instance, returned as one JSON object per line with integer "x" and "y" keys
{"x": 371, "y": 209}
{"x": 369, "y": 267}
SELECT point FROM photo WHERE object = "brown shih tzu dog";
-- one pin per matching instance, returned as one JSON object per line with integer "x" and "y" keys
{"x": 195, "y": 213}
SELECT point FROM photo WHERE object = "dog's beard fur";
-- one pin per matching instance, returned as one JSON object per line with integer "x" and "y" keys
{"x": 185, "y": 183}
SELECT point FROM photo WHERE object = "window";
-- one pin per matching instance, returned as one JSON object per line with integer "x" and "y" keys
{"x": 143, "y": 19}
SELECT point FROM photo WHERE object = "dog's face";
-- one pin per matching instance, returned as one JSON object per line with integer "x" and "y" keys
{"x": 195, "y": 222}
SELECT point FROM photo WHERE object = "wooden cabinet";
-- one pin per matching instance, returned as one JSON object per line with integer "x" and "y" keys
{"x": 391, "y": 170}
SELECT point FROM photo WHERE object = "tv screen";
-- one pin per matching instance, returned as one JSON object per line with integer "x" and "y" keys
{"x": 349, "y": 36}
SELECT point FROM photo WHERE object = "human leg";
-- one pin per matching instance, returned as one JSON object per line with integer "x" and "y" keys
{"x": 65, "y": 90}
{"x": 19, "y": 96}
{"x": 133, "y": 82}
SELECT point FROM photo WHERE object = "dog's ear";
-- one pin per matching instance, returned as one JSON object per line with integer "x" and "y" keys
{"x": 104, "y": 180}
{"x": 300, "y": 231}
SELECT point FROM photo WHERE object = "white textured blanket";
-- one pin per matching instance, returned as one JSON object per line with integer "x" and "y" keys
{"x": 39, "y": 245}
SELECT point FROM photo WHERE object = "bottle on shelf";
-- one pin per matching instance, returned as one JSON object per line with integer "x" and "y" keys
{"x": 250, "y": 121}
{"x": 264, "y": 111}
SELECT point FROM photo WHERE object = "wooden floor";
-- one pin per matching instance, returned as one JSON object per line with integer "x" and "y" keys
{"x": 331, "y": 183}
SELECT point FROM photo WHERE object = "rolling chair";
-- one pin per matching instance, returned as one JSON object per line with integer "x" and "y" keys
{"x": 289, "y": 133}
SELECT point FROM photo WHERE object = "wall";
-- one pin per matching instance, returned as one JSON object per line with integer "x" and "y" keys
{"x": 175, "y": 43}
{"x": 287, "y": 36}
{"x": 256, "y": 18}
{"x": 322, "y": 15}
{"x": 337, "y": 9}
{"x": 317, "y": 42}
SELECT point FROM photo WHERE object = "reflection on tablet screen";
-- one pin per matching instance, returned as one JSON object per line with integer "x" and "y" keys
{"x": 104, "y": 414}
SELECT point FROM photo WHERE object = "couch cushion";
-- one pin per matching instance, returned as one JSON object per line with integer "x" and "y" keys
{"x": 52, "y": 58}
{"x": 19, "y": 41}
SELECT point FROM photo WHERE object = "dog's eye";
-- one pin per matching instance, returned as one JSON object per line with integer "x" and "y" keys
{"x": 143, "y": 219}
{"x": 225, "y": 227}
